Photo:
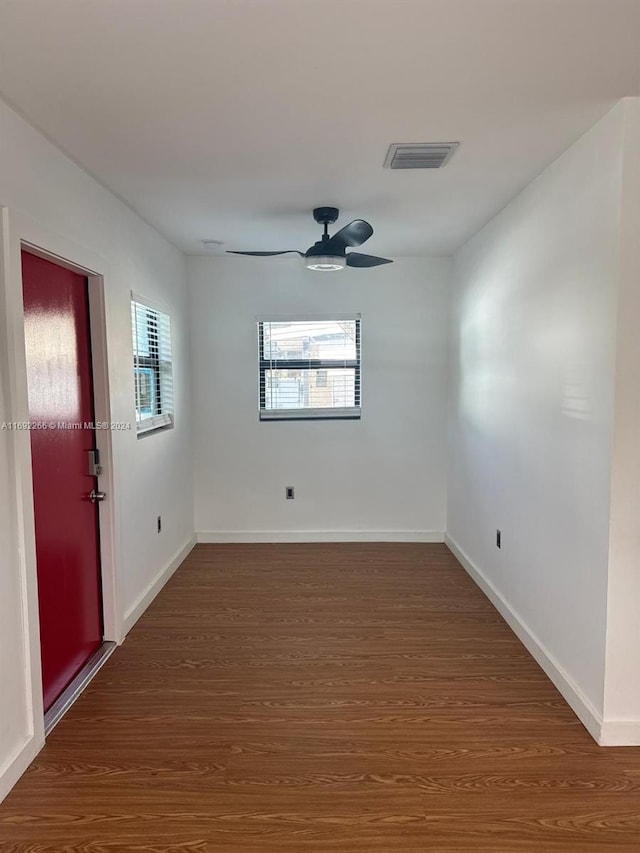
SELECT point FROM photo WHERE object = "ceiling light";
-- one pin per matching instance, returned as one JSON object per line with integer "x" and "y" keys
{"x": 325, "y": 263}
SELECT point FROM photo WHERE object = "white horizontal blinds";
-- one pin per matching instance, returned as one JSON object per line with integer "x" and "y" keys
{"x": 153, "y": 371}
{"x": 309, "y": 368}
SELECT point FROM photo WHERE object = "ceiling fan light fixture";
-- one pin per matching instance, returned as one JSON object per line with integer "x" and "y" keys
{"x": 325, "y": 263}
{"x": 328, "y": 253}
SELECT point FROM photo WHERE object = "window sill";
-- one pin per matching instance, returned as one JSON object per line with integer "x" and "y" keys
{"x": 149, "y": 425}
{"x": 347, "y": 414}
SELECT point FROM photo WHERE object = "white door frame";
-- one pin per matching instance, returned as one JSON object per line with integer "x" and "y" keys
{"x": 18, "y": 232}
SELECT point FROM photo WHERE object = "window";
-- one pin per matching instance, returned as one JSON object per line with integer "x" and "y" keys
{"x": 309, "y": 368}
{"x": 152, "y": 366}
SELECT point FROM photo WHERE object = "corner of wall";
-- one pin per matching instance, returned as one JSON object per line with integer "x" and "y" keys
{"x": 151, "y": 591}
{"x": 622, "y": 687}
{"x": 584, "y": 710}
{"x": 17, "y": 762}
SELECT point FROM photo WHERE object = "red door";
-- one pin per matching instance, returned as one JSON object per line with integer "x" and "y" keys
{"x": 58, "y": 348}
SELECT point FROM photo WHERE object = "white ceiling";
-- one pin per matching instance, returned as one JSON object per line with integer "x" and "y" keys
{"x": 231, "y": 119}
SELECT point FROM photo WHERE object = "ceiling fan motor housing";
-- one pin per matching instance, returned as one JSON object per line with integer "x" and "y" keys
{"x": 326, "y": 215}
{"x": 320, "y": 248}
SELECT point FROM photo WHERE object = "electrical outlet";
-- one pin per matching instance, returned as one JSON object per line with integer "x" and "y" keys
{"x": 498, "y": 539}
{"x": 289, "y": 493}
{"x": 159, "y": 524}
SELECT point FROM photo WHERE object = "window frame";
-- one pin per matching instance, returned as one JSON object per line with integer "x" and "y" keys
{"x": 352, "y": 413}
{"x": 157, "y": 362}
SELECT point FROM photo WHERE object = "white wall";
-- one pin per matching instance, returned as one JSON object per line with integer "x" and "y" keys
{"x": 532, "y": 411}
{"x": 52, "y": 203}
{"x": 380, "y": 477}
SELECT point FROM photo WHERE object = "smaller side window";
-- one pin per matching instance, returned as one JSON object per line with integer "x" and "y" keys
{"x": 152, "y": 366}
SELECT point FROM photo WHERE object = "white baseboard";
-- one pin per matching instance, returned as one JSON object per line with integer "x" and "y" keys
{"x": 276, "y": 536}
{"x": 135, "y": 612}
{"x": 576, "y": 699}
{"x": 17, "y": 763}
{"x": 620, "y": 733}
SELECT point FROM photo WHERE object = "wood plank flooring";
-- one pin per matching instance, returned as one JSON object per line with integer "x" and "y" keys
{"x": 351, "y": 698}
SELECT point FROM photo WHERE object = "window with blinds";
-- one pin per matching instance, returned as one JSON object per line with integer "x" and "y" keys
{"x": 309, "y": 368}
{"x": 152, "y": 366}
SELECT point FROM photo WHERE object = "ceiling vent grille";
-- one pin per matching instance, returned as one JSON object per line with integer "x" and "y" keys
{"x": 419, "y": 155}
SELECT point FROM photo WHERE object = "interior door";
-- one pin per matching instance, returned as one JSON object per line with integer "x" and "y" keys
{"x": 61, "y": 415}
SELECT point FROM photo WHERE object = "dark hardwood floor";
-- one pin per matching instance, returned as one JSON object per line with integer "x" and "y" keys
{"x": 348, "y": 698}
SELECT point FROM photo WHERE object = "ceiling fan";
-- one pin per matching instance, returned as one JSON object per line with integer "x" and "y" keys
{"x": 329, "y": 253}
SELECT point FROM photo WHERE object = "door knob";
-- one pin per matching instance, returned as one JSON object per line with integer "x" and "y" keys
{"x": 94, "y": 496}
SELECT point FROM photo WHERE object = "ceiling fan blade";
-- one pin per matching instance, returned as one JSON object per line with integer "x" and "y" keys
{"x": 266, "y": 254}
{"x": 357, "y": 259}
{"x": 353, "y": 234}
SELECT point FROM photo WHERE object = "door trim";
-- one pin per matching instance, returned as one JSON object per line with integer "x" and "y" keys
{"x": 18, "y": 232}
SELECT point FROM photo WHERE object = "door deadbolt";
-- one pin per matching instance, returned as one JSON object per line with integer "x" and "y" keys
{"x": 95, "y": 496}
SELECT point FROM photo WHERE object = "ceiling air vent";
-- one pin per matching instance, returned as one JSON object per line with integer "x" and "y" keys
{"x": 419, "y": 155}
